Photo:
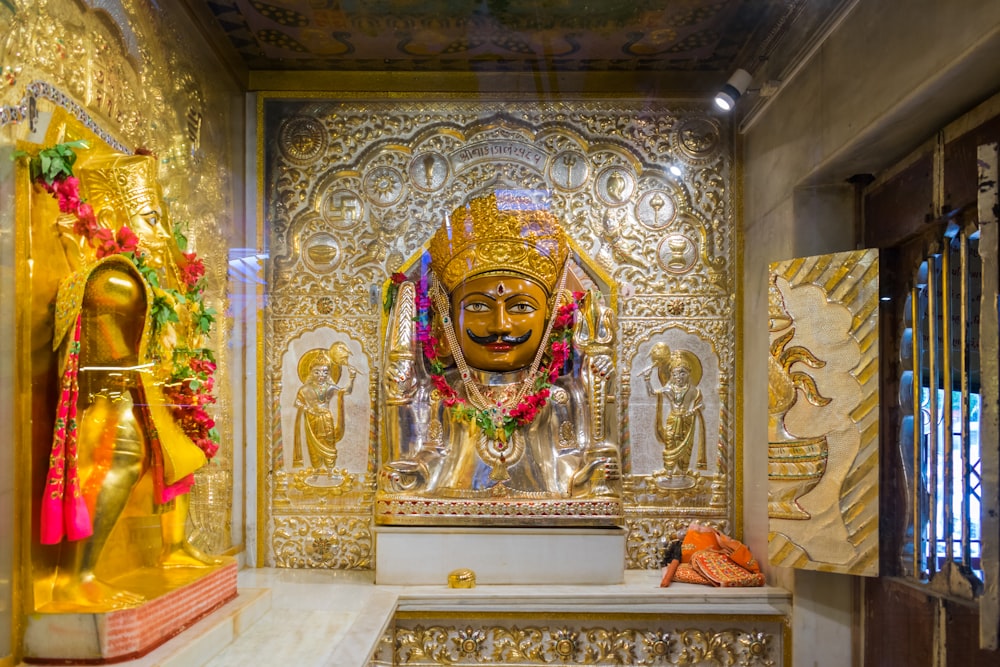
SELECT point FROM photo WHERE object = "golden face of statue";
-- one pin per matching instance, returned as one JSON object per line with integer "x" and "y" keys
{"x": 499, "y": 321}
{"x": 149, "y": 225}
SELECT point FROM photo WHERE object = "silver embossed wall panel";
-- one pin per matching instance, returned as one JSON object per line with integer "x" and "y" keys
{"x": 352, "y": 191}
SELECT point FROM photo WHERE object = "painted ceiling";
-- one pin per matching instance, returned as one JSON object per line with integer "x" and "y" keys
{"x": 696, "y": 36}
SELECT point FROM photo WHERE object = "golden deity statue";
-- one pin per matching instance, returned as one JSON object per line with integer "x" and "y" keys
{"x": 114, "y": 424}
{"x": 680, "y": 423}
{"x": 497, "y": 406}
{"x": 320, "y": 372}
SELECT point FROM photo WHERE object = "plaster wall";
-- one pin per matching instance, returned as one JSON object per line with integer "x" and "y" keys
{"x": 885, "y": 80}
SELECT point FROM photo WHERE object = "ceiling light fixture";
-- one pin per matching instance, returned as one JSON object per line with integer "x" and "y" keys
{"x": 738, "y": 83}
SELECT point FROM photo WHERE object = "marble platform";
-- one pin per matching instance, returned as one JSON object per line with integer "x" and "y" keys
{"x": 324, "y": 618}
{"x": 412, "y": 556}
{"x": 55, "y": 636}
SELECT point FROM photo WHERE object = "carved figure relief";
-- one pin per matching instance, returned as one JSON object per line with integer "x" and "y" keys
{"x": 680, "y": 424}
{"x": 316, "y": 425}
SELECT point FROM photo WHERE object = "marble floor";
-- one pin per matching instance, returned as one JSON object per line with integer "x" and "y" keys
{"x": 313, "y": 618}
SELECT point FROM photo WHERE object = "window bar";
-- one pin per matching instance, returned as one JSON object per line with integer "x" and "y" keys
{"x": 916, "y": 483}
{"x": 932, "y": 405}
{"x": 964, "y": 360}
{"x": 947, "y": 438}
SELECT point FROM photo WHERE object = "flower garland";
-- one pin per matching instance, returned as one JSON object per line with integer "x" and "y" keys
{"x": 190, "y": 381}
{"x": 525, "y": 412}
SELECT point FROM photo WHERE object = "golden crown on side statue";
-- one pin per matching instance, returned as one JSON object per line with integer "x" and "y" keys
{"x": 122, "y": 180}
{"x": 488, "y": 236}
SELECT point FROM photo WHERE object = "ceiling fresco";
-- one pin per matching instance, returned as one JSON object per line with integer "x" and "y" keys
{"x": 697, "y": 36}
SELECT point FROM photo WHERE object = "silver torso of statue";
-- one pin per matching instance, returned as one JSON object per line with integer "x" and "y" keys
{"x": 439, "y": 465}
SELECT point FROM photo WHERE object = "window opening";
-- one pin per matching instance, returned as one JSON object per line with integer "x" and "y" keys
{"x": 941, "y": 402}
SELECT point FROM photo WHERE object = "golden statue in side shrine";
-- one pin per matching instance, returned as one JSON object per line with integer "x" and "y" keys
{"x": 320, "y": 372}
{"x": 680, "y": 428}
{"x": 497, "y": 406}
{"x": 123, "y": 326}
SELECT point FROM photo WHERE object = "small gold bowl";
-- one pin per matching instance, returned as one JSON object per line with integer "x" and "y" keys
{"x": 462, "y": 578}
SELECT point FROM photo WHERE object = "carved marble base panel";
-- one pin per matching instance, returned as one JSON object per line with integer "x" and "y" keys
{"x": 425, "y": 555}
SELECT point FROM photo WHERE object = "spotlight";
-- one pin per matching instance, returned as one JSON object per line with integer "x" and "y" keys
{"x": 726, "y": 98}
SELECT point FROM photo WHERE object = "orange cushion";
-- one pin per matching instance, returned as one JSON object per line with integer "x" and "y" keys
{"x": 720, "y": 570}
{"x": 688, "y": 575}
{"x": 697, "y": 539}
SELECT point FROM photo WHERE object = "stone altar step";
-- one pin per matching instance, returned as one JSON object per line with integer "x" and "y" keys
{"x": 414, "y": 556}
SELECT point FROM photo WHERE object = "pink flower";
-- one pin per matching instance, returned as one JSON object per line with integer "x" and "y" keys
{"x": 68, "y": 191}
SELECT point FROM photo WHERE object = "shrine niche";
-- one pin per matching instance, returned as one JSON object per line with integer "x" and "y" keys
{"x": 823, "y": 413}
{"x": 353, "y": 192}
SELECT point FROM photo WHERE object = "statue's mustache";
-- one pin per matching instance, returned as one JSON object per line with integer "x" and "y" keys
{"x": 493, "y": 338}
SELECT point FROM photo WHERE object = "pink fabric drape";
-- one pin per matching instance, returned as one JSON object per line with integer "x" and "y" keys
{"x": 64, "y": 512}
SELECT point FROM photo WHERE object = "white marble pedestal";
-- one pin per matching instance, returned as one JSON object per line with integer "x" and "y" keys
{"x": 409, "y": 556}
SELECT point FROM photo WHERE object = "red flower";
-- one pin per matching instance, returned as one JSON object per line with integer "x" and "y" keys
{"x": 431, "y": 348}
{"x": 201, "y": 365}
{"x": 127, "y": 240}
{"x": 208, "y": 446}
{"x": 104, "y": 241}
{"x": 193, "y": 271}
{"x": 397, "y": 277}
{"x": 86, "y": 222}
{"x": 51, "y": 188}
{"x": 442, "y": 385}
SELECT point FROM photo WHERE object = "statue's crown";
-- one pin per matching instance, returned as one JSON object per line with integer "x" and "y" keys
{"x": 499, "y": 234}
{"x": 125, "y": 183}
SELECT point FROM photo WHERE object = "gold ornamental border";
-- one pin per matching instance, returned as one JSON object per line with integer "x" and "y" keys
{"x": 782, "y": 621}
{"x": 415, "y": 511}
